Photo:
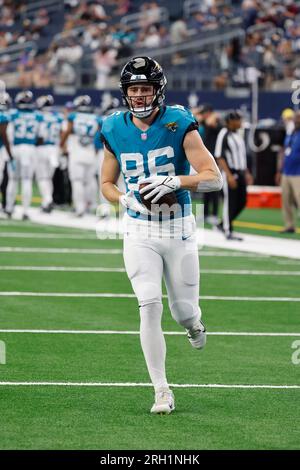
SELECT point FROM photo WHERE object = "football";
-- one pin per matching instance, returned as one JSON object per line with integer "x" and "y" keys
{"x": 168, "y": 199}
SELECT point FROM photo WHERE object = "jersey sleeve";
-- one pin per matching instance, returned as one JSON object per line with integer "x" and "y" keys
{"x": 39, "y": 117}
{"x": 4, "y": 119}
{"x": 107, "y": 134}
{"x": 13, "y": 114}
{"x": 71, "y": 117}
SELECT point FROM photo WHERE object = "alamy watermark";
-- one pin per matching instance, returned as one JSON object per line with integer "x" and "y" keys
{"x": 167, "y": 222}
{"x": 296, "y": 94}
{"x": 2, "y": 353}
{"x": 296, "y": 353}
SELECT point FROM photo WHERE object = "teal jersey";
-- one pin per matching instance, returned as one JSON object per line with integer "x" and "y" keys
{"x": 4, "y": 119}
{"x": 97, "y": 140}
{"x": 157, "y": 151}
{"x": 26, "y": 125}
{"x": 50, "y": 127}
{"x": 85, "y": 127}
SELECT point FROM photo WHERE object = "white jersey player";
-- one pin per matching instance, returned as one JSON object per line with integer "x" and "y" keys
{"x": 83, "y": 124}
{"x": 47, "y": 151}
{"x": 156, "y": 144}
{"x": 25, "y": 122}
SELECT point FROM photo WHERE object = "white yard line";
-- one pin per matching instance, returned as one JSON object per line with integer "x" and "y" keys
{"x": 132, "y": 296}
{"x": 131, "y": 384}
{"x": 72, "y": 269}
{"x": 38, "y": 235}
{"x": 242, "y": 272}
{"x": 258, "y": 244}
{"x": 86, "y": 251}
{"x": 136, "y": 333}
{"x": 114, "y": 251}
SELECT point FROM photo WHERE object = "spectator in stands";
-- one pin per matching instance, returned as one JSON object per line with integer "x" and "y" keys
{"x": 179, "y": 31}
{"x": 123, "y": 7}
{"x": 104, "y": 60}
{"x": 150, "y": 14}
{"x": 269, "y": 65}
{"x": 290, "y": 179}
{"x": 150, "y": 38}
{"x": 164, "y": 36}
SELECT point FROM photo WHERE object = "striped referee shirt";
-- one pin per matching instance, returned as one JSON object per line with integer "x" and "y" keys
{"x": 231, "y": 146}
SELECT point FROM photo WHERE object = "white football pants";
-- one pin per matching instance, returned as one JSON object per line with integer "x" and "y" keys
{"x": 84, "y": 185}
{"x": 24, "y": 155}
{"x": 46, "y": 162}
{"x": 147, "y": 262}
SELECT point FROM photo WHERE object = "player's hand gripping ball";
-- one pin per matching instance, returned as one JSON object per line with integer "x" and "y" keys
{"x": 157, "y": 194}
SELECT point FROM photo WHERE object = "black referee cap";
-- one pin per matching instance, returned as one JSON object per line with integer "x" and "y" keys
{"x": 233, "y": 114}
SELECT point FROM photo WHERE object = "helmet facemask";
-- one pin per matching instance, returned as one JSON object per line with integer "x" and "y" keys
{"x": 143, "y": 71}
{"x": 146, "y": 108}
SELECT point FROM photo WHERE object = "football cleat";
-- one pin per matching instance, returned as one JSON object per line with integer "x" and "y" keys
{"x": 197, "y": 335}
{"x": 164, "y": 402}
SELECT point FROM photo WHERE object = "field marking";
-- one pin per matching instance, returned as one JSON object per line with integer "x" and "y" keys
{"x": 118, "y": 332}
{"x": 243, "y": 272}
{"x": 132, "y": 296}
{"x": 62, "y": 269}
{"x": 86, "y": 251}
{"x": 255, "y": 225}
{"x": 114, "y": 251}
{"x": 133, "y": 384}
{"x": 47, "y": 235}
{"x": 292, "y": 263}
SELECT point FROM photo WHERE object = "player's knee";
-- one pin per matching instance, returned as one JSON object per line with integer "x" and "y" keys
{"x": 146, "y": 291}
{"x": 184, "y": 312}
{"x": 150, "y": 311}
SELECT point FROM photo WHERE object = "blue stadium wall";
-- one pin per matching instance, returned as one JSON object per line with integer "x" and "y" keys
{"x": 270, "y": 103}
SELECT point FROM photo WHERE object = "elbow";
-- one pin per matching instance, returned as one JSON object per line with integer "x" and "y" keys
{"x": 218, "y": 182}
{"x": 215, "y": 183}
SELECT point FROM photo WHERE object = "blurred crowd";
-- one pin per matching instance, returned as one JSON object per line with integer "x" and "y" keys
{"x": 85, "y": 42}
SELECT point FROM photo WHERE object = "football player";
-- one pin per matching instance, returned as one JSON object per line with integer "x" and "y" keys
{"x": 5, "y": 150}
{"x": 25, "y": 130}
{"x": 83, "y": 123}
{"x": 47, "y": 149}
{"x": 156, "y": 144}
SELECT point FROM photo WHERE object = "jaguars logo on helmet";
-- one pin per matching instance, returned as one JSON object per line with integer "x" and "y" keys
{"x": 143, "y": 70}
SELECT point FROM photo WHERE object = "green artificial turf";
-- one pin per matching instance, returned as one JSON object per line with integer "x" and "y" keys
{"x": 118, "y": 417}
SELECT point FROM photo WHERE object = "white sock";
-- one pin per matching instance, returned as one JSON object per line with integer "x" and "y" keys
{"x": 11, "y": 193}
{"x": 153, "y": 343}
{"x": 26, "y": 194}
{"x": 45, "y": 187}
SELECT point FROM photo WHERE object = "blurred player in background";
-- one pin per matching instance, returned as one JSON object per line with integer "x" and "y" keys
{"x": 83, "y": 123}
{"x": 230, "y": 153}
{"x": 156, "y": 144}
{"x": 47, "y": 149}
{"x": 25, "y": 130}
{"x": 209, "y": 128}
{"x": 5, "y": 150}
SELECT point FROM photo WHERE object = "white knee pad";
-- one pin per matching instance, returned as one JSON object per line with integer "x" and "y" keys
{"x": 185, "y": 312}
{"x": 147, "y": 292}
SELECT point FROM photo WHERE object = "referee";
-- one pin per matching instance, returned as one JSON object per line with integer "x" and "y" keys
{"x": 230, "y": 152}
